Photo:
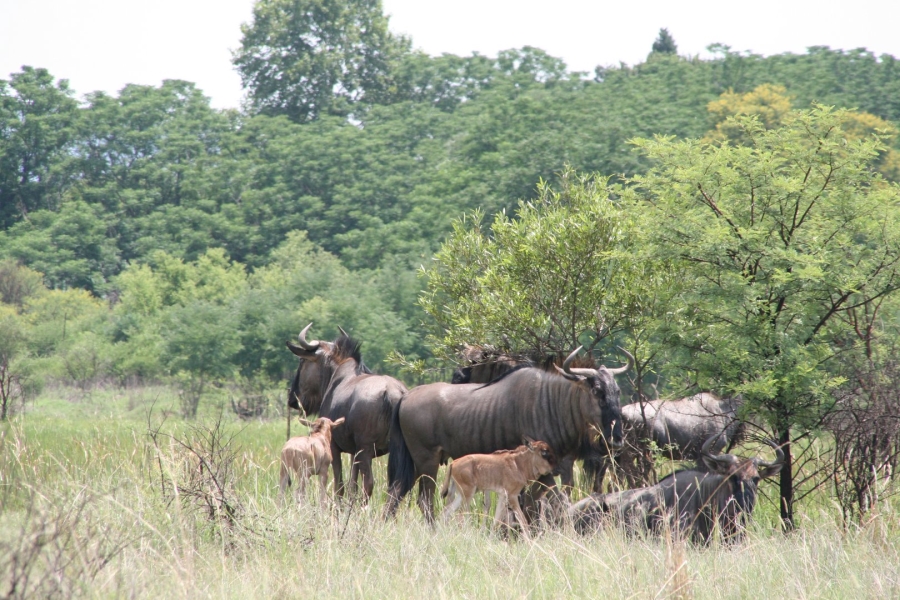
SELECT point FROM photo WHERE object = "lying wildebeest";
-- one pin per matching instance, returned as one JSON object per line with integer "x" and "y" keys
{"x": 333, "y": 382}
{"x": 307, "y": 456}
{"x": 691, "y": 501}
{"x": 506, "y": 472}
{"x": 677, "y": 427}
{"x": 575, "y": 411}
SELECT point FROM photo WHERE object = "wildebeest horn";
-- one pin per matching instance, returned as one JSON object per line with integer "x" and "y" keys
{"x": 344, "y": 332}
{"x": 310, "y": 346}
{"x": 779, "y": 457}
{"x": 724, "y": 459}
{"x": 570, "y": 371}
{"x": 628, "y": 365}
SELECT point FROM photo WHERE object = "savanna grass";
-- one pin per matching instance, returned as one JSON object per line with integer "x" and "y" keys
{"x": 97, "y": 473}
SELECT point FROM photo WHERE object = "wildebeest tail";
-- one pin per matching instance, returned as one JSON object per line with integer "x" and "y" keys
{"x": 284, "y": 477}
{"x": 448, "y": 482}
{"x": 401, "y": 469}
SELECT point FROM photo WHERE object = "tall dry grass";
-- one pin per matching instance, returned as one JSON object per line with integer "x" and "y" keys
{"x": 83, "y": 507}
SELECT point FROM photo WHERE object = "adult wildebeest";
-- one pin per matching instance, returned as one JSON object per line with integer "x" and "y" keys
{"x": 333, "y": 382}
{"x": 307, "y": 456}
{"x": 680, "y": 427}
{"x": 691, "y": 501}
{"x": 569, "y": 410}
{"x": 677, "y": 427}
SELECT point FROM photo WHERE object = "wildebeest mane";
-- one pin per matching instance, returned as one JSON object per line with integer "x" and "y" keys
{"x": 345, "y": 347}
{"x": 548, "y": 364}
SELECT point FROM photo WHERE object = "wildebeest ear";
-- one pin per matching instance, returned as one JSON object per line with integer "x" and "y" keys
{"x": 718, "y": 464}
{"x": 300, "y": 350}
{"x": 338, "y": 422}
{"x": 770, "y": 470}
{"x": 304, "y": 422}
{"x": 529, "y": 443}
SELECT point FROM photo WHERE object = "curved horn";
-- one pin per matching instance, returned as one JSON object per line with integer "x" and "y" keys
{"x": 628, "y": 365}
{"x": 570, "y": 358}
{"x": 570, "y": 371}
{"x": 310, "y": 346}
{"x": 724, "y": 459}
{"x": 779, "y": 457}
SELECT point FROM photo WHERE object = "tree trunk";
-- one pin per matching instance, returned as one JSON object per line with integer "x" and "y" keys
{"x": 786, "y": 481}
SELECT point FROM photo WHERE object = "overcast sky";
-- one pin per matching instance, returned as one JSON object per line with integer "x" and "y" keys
{"x": 105, "y": 44}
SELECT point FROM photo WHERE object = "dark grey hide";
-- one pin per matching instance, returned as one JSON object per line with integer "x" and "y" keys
{"x": 677, "y": 427}
{"x": 572, "y": 411}
{"x": 680, "y": 427}
{"x": 692, "y": 503}
{"x": 332, "y": 381}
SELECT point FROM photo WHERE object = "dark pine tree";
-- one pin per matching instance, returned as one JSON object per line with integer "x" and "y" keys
{"x": 665, "y": 43}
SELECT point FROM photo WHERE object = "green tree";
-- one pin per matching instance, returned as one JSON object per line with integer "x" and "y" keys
{"x": 785, "y": 248}
{"x": 306, "y": 58}
{"x": 36, "y": 128}
{"x": 560, "y": 269}
{"x": 665, "y": 43}
{"x": 201, "y": 341}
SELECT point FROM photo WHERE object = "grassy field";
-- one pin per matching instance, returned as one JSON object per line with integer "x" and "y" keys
{"x": 90, "y": 506}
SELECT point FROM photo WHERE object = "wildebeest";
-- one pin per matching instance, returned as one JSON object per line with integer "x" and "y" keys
{"x": 677, "y": 427}
{"x": 505, "y": 472}
{"x": 484, "y": 364}
{"x": 576, "y": 411}
{"x": 307, "y": 456}
{"x": 680, "y": 427}
{"x": 691, "y": 502}
{"x": 333, "y": 382}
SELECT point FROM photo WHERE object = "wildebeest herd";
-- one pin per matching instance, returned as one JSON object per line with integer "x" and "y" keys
{"x": 560, "y": 412}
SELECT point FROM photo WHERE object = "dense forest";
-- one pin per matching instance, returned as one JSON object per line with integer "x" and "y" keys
{"x": 147, "y": 237}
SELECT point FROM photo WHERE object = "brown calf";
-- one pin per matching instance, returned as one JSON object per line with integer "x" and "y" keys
{"x": 308, "y": 456}
{"x": 506, "y": 473}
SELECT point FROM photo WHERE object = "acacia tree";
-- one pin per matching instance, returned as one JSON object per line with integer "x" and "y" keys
{"x": 784, "y": 245}
{"x": 562, "y": 270}
{"x": 306, "y": 58}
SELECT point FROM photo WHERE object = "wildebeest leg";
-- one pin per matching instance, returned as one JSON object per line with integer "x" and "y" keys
{"x": 455, "y": 499}
{"x": 365, "y": 468}
{"x": 302, "y": 478}
{"x": 354, "y": 475}
{"x": 520, "y": 516}
{"x": 284, "y": 483}
{"x": 567, "y": 473}
{"x": 534, "y": 493}
{"x": 426, "y": 491}
{"x": 323, "y": 486}
{"x": 338, "y": 469}
{"x": 501, "y": 512}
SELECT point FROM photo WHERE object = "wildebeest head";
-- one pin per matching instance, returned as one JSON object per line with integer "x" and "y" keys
{"x": 602, "y": 384}
{"x": 741, "y": 477}
{"x": 318, "y": 360}
{"x": 543, "y": 450}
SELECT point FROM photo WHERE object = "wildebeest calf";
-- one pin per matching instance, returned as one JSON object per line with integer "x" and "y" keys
{"x": 505, "y": 472}
{"x": 308, "y": 456}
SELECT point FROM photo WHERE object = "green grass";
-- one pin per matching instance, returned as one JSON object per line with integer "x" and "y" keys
{"x": 80, "y": 474}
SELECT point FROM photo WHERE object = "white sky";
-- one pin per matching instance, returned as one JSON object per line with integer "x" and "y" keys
{"x": 105, "y": 44}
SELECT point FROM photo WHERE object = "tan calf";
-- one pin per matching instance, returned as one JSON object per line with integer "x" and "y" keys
{"x": 506, "y": 473}
{"x": 308, "y": 456}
